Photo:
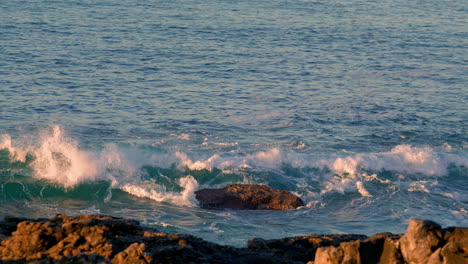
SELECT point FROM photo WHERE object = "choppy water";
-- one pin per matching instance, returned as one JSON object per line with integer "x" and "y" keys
{"x": 127, "y": 107}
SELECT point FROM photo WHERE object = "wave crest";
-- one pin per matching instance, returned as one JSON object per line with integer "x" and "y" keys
{"x": 58, "y": 158}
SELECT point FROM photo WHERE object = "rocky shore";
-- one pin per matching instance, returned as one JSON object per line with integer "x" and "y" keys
{"x": 107, "y": 239}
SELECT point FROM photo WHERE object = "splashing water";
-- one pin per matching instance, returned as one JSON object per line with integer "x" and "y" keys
{"x": 56, "y": 158}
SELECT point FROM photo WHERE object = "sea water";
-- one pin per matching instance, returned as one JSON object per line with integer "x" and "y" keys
{"x": 126, "y": 108}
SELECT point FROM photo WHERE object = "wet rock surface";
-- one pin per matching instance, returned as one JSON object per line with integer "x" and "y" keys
{"x": 248, "y": 197}
{"x": 107, "y": 239}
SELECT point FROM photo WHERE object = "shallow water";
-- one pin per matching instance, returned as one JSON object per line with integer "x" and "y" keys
{"x": 126, "y": 108}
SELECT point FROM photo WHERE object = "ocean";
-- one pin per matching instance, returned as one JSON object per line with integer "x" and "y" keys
{"x": 126, "y": 108}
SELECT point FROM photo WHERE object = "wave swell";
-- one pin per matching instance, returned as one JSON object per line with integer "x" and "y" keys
{"x": 173, "y": 177}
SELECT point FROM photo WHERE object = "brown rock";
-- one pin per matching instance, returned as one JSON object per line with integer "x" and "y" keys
{"x": 65, "y": 237}
{"x": 248, "y": 197}
{"x": 351, "y": 252}
{"x": 455, "y": 252}
{"x": 421, "y": 240}
{"x": 134, "y": 254}
{"x": 106, "y": 239}
{"x": 300, "y": 248}
{"x": 455, "y": 249}
{"x": 456, "y": 234}
{"x": 391, "y": 252}
{"x": 376, "y": 249}
{"x": 329, "y": 255}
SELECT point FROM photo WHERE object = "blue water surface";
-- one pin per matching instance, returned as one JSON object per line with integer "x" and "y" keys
{"x": 357, "y": 106}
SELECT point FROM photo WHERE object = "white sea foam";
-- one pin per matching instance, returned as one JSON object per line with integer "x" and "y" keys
{"x": 402, "y": 158}
{"x": 91, "y": 210}
{"x": 58, "y": 158}
{"x": 5, "y": 143}
{"x": 348, "y": 172}
{"x": 418, "y": 187}
{"x": 159, "y": 193}
{"x": 183, "y": 136}
{"x": 362, "y": 190}
{"x": 264, "y": 159}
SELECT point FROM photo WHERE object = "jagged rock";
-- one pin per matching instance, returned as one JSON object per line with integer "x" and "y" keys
{"x": 455, "y": 252}
{"x": 65, "y": 237}
{"x": 106, "y": 239}
{"x": 421, "y": 240}
{"x": 455, "y": 249}
{"x": 134, "y": 254}
{"x": 300, "y": 248}
{"x": 248, "y": 196}
{"x": 391, "y": 251}
{"x": 456, "y": 234}
{"x": 329, "y": 255}
{"x": 379, "y": 248}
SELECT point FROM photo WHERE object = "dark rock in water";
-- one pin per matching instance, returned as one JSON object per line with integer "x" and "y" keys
{"x": 248, "y": 197}
{"x": 106, "y": 239}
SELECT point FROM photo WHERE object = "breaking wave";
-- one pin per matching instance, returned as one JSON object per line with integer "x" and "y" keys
{"x": 173, "y": 177}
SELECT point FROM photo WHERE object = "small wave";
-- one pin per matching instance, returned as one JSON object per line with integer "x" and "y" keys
{"x": 58, "y": 158}
{"x": 402, "y": 158}
{"x": 159, "y": 193}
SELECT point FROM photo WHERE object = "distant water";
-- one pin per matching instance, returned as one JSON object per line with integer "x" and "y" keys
{"x": 127, "y": 107}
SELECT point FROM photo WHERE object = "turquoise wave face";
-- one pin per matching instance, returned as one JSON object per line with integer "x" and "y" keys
{"x": 157, "y": 187}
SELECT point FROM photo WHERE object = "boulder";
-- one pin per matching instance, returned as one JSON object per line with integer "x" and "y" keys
{"x": 379, "y": 248}
{"x": 391, "y": 252}
{"x": 300, "y": 248}
{"x": 455, "y": 250}
{"x": 248, "y": 197}
{"x": 421, "y": 240}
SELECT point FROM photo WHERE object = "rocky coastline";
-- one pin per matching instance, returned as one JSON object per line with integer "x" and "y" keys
{"x": 107, "y": 239}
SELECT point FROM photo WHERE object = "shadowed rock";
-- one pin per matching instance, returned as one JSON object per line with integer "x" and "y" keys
{"x": 106, "y": 239}
{"x": 424, "y": 242}
{"x": 422, "y": 238}
{"x": 380, "y": 248}
{"x": 248, "y": 197}
{"x": 300, "y": 248}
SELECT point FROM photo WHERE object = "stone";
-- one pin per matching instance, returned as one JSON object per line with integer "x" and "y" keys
{"x": 421, "y": 240}
{"x": 329, "y": 255}
{"x": 248, "y": 197}
{"x": 134, "y": 254}
{"x": 456, "y": 234}
{"x": 391, "y": 253}
{"x": 455, "y": 252}
{"x": 300, "y": 248}
{"x": 106, "y": 239}
{"x": 455, "y": 249}
{"x": 376, "y": 249}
